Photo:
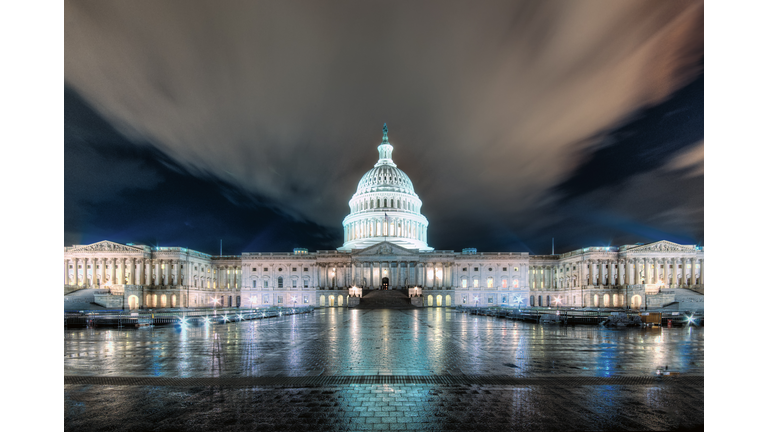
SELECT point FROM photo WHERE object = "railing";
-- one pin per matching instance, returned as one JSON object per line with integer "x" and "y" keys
{"x": 574, "y": 316}
{"x": 117, "y": 318}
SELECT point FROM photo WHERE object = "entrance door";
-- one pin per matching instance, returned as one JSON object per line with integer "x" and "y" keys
{"x": 385, "y": 283}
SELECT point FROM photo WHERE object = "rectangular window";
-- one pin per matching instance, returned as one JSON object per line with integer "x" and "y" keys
{"x": 464, "y": 299}
{"x": 254, "y": 284}
{"x": 490, "y": 300}
{"x": 463, "y": 268}
{"x": 504, "y": 299}
{"x": 503, "y": 283}
{"x": 266, "y": 284}
{"x": 293, "y": 269}
{"x": 279, "y": 299}
{"x": 293, "y": 283}
{"x": 463, "y": 283}
{"x": 306, "y": 283}
{"x": 266, "y": 298}
{"x": 266, "y": 269}
{"x": 306, "y": 299}
{"x": 306, "y": 269}
{"x": 253, "y": 270}
{"x": 489, "y": 283}
{"x": 475, "y": 268}
{"x": 503, "y": 269}
{"x": 475, "y": 283}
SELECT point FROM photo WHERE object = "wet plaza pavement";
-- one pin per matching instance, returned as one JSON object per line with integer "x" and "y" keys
{"x": 424, "y": 369}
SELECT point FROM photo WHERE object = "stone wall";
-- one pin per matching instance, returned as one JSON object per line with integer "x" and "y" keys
{"x": 108, "y": 300}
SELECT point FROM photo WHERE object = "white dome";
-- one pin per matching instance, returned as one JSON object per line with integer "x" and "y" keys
{"x": 385, "y": 178}
{"x": 385, "y": 208}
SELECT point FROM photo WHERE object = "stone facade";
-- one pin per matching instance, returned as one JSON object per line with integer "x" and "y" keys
{"x": 593, "y": 277}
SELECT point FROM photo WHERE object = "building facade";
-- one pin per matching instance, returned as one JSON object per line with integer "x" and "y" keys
{"x": 385, "y": 247}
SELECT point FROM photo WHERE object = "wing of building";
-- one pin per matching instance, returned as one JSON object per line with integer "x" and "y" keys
{"x": 385, "y": 247}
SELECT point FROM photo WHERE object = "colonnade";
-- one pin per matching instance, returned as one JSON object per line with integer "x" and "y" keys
{"x": 393, "y": 227}
{"x": 671, "y": 271}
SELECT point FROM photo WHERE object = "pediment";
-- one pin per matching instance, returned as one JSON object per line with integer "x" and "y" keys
{"x": 106, "y": 246}
{"x": 385, "y": 248}
{"x": 663, "y": 246}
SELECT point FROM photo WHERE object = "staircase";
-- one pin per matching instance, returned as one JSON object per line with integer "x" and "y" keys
{"x": 385, "y": 299}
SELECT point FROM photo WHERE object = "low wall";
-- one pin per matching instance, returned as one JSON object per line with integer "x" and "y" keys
{"x": 108, "y": 301}
{"x": 417, "y": 301}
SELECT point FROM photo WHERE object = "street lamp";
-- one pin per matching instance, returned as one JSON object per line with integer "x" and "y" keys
{"x": 477, "y": 299}
{"x": 214, "y": 302}
{"x": 294, "y": 302}
{"x": 557, "y": 302}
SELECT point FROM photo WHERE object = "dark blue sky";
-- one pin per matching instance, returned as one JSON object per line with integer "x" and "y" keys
{"x": 262, "y": 144}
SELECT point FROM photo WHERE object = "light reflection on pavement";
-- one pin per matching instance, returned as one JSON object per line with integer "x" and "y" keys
{"x": 382, "y": 342}
{"x": 423, "y": 342}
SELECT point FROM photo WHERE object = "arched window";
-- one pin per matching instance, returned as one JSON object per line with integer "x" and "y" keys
{"x": 280, "y": 282}
{"x": 515, "y": 283}
{"x": 547, "y": 301}
{"x": 489, "y": 282}
{"x": 533, "y": 301}
{"x": 254, "y": 283}
{"x": 378, "y": 203}
{"x": 540, "y": 303}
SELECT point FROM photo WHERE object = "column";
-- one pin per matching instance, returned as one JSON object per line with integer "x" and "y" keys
{"x": 66, "y": 272}
{"x": 686, "y": 261}
{"x": 590, "y": 272}
{"x": 701, "y": 273}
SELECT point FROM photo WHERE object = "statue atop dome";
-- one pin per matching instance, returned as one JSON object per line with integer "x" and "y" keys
{"x": 385, "y": 140}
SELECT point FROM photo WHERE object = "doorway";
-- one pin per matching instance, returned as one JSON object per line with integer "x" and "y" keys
{"x": 385, "y": 283}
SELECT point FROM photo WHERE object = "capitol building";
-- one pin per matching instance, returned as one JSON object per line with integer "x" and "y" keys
{"x": 385, "y": 247}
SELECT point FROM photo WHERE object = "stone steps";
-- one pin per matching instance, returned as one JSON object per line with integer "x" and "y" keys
{"x": 385, "y": 299}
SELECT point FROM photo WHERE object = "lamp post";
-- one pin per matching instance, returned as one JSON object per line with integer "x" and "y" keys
{"x": 477, "y": 299}
{"x": 294, "y": 302}
{"x": 557, "y": 302}
{"x": 214, "y": 302}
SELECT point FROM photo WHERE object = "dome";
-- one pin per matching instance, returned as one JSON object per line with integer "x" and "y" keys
{"x": 385, "y": 208}
{"x": 385, "y": 178}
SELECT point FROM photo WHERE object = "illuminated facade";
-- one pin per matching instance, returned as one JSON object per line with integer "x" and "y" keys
{"x": 385, "y": 247}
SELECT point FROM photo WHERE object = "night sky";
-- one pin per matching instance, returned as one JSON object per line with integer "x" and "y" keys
{"x": 252, "y": 122}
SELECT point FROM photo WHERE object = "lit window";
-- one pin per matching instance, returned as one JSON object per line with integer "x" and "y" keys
{"x": 463, "y": 283}
{"x": 489, "y": 283}
{"x": 515, "y": 268}
{"x": 475, "y": 283}
{"x": 515, "y": 283}
{"x": 503, "y": 283}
